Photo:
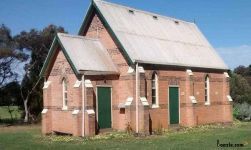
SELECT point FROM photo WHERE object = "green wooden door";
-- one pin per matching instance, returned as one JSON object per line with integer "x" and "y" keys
{"x": 174, "y": 105}
{"x": 104, "y": 107}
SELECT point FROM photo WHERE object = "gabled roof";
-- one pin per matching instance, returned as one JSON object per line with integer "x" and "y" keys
{"x": 83, "y": 54}
{"x": 150, "y": 38}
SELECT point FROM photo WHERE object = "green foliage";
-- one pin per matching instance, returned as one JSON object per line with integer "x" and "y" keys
{"x": 245, "y": 72}
{"x": 4, "y": 114}
{"x": 240, "y": 89}
{"x": 38, "y": 43}
{"x": 242, "y": 70}
{"x": 10, "y": 95}
{"x": 242, "y": 111}
{"x": 235, "y": 112}
{"x": 10, "y": 118}
{"x": 9, "y": 56}
{"x": 111, "y": 135}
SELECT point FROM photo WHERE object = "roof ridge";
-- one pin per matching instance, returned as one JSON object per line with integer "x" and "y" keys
{"x": 144, "y": 11}
{"x": 77, "y": 36}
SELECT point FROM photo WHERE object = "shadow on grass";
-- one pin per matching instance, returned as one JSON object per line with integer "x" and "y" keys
{"x": 10, "y": 122}
{"x": 16, "y": 122}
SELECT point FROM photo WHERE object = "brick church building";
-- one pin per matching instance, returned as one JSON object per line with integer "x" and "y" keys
{"x": 129, "y": 68}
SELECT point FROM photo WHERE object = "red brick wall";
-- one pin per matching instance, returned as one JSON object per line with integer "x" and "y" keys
{"x": 219, "y": 109}
{"x": 122, "y": 86}
{"x": 61, "y": 120}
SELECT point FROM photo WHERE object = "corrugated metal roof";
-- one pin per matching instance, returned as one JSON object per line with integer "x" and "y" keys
{"x": 87, "y": 54}
{"x": 156, "y": 39}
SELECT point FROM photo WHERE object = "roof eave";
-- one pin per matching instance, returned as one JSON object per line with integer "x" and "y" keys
{"x": 180, "y": 65}
{"x": 93, "y": 72}
{"x": 47, "y": 60}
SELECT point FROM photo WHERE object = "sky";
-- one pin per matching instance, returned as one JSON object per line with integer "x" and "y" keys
{"x": 225, "y": 23}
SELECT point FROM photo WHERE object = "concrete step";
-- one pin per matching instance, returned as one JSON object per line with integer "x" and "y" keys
{"x": 174, "y": 127}
{"x": 105, "y": 131}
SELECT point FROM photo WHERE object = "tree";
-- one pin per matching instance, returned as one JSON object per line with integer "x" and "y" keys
{"x": 245, "y": 72}
{"x": 38, "y": 43}
{"x": 241, "y": 70}
{"x": 10, "y": 96}
{"x": 240, "y": 89}
{"x": 9, "y": 56}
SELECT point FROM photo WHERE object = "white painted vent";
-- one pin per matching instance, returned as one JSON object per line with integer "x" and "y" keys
{"x": 226, "y": 74}
{"x": 44, "y": 111}
{"x": 130, "y": 70}
{"x": 90, "y": 111}
{"x": 229, "y": 98}
{"x": 77, "y": 84}
{"x": 144, "y": 101}
{"x": 88, "y": 83}
{"x": 141, "y": 69}
{"x": 75, "y": 112}
{"x": 189, "y": 72}
{"x": 46, "y": 84}
{"x": 193, "y": 99}
{"x": 128, "y": 101}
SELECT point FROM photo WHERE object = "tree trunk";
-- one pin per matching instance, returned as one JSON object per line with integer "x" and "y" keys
{"x": 26, "y": 118}
{"x": 25, "y": 100}
{"x": 10, "y": 111}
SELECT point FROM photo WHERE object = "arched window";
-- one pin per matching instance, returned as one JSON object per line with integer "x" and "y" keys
{"x": 155, "y": 89}
{"x": 207, "y": 90}
{"x": 65, "y": 95}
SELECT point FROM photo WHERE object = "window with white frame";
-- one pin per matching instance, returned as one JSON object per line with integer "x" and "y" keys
{"x": 207, "y": 90}
{"x": 65, "y": 95}
{"x": 155, "y": 101}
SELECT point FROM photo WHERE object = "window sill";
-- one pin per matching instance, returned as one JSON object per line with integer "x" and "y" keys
{"x": 65, "y": 108}
{"x": 207, "y": 103}
{"x": 155, "y": 106}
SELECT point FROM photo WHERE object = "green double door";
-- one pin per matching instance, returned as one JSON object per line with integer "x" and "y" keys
{"x": 174, "y": 105}
{"x": 104, "y": 107}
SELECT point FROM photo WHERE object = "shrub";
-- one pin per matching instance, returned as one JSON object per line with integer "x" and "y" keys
{"x": 240, "y": 89}
{"x": 242, "y": 111}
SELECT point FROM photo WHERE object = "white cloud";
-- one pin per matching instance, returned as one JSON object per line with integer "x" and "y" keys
{"x": 235, "y": 56}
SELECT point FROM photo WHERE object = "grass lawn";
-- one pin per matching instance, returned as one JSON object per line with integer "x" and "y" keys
{"x": 204, "y": 137}
{"x": 4, "y": 112}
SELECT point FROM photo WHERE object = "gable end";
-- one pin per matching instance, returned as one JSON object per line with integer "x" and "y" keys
{"x": 55, "y": 44}
{"x": 87, "y": 20}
